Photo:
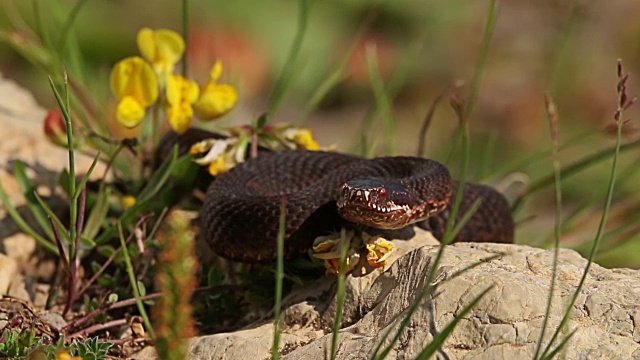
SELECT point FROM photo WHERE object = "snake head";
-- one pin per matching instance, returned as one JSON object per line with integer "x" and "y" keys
{"x": 378, "y": 203}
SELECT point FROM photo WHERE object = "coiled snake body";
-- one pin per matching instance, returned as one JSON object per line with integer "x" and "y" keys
{"x": 322, "y": 191}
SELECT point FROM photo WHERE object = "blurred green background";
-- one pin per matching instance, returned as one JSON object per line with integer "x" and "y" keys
{"x": 568, "y": 48}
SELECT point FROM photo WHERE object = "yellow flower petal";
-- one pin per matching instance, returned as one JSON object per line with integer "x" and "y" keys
{"x": 215, "y": 101}
{"x": 162, "y": 47}
{"x": 179, "y": 117}
{"x": 304, "y": 138}
{"x": 216, "y": 72}
{"x": 181, "y": 93}
{"x": 133, "y": 77}
{"x": 129, "y": 112}
{"x": 378, "y": 252}
{"x": 219, "y": 166}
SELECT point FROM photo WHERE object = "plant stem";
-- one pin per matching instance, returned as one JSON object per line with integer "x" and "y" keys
{"x": 555, "y": 137}
{"x": 277, "y": 321}
{"x": 134, "y": 283}
{"x": 185, "y": 36}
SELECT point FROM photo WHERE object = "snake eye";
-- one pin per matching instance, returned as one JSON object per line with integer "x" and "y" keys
{"x": 383, "y": 193}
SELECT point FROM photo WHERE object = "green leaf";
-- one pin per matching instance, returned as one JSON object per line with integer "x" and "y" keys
{"x": 22, "y": 224}
{"x": 106, "y": 250}
{"x": 62, "y": 230}
{"x": 28, "y": 190}
{"x": 158, "y": 180}
{"x": 98, "y": 214}
{"x": 113, "y": 298}
{"x": 87, "y": 243}
{"x": 262, "y": 120}
{"x": 85, "y": 178}
{"x": 141, "y": 288}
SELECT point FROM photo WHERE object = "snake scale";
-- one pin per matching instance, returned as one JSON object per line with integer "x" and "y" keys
{"x": 323, "y": 191}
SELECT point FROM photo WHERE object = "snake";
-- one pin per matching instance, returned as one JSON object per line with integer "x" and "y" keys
{"x": 317, "y": 193}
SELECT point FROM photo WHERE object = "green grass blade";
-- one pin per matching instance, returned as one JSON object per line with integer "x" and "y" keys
{"x": 439, "y": 339}
{"x": 28, "y": 190}
{"x": 159, "y": 177}
{"x": 555, "y": 136}
{"x": 427, "y": 289}
{"x": 576, "y": 168}
{"x": 39, "y": 25}
{"x": 284, "y": 79}
{"x": 97, "y": 215}
{"x": 340, "y": 293}
{"x": 560, "y": 346}
{"x": 185, "y": 36}
{"x": 337, "y": 76}
{"x": 23, "y": 225}
{"x": 157, "y": 182}
{"x": 86, "y": 176}
{"x": 605, "y": 211}
{"x": 56, "y": 220}
{"x": 68, "y": 24}
{"x": 277, "y": 308}
{"x": 383, "y": 102}
{"x": 134, "y": 282}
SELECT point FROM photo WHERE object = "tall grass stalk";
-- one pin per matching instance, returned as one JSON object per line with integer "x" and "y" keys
{"x": 23, "y": 225}
{"x": 336, "y": 76}
{"x": 68, "y": 24}
{"x": 574, "y": 169}
{"x": 185, "y": 36}
{"x": 553, "y": 118}
{"x": 622, "y": 105}
{"x": 383, "y": 102}
{"x": 340, "y": 292}
{"x": 290, "y": 66}
{"x": 277, "y": 307}
{"x": 365, "y": 146}
{"x": 489, "y": 27}
{"x": 463, "y": 111}
{"x": 134, "y": 282}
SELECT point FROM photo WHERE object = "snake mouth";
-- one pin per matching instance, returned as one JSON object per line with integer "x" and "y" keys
{"x": 372, "y": 203}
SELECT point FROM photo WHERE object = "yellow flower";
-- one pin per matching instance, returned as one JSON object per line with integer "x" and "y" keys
{"x": 221, "y": 154}
{"x": 221, "y": 165}
{"x": 64, "y": 355}
{"x": 327, "y": 248}
{"x": 128, "y": 201}
{"x": 215, "y": 99}
{"x": 134, "y": 83}
{"x": 162, "y": 47}
{"x": 379, "y": 251}
{"x": 304, "y": 139}
{"x": 181, "y": 94}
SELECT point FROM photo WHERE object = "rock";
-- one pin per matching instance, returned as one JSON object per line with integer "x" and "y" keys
{"x": 506, "y": 323}
{"x": 20, "y": 247}
{"x": 21, "y": 121}
{"x": 8, "y": 273}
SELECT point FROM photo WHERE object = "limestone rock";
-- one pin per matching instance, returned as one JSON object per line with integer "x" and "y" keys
{"x": 21, "y": 121}
{"x": 8, "y": 273}
{"x": 505, "y": 324}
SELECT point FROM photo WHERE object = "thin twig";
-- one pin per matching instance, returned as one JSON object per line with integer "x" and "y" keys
{"x": 422, "y": 139}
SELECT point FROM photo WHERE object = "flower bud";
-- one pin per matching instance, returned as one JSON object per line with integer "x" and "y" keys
{"x": 55, "y": 128}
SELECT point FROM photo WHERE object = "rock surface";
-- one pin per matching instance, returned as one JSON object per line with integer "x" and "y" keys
{"x": 505, "y": 324}
{"x": 8, "y": 273}
{"x": 21, "y": 121}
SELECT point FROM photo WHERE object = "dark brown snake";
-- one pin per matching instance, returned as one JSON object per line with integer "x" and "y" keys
{"x": 323, "y": 191}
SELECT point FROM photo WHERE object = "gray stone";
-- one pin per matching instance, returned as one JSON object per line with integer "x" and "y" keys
{"x": 506, "y": 323}
{"x": 8, "y": 273}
